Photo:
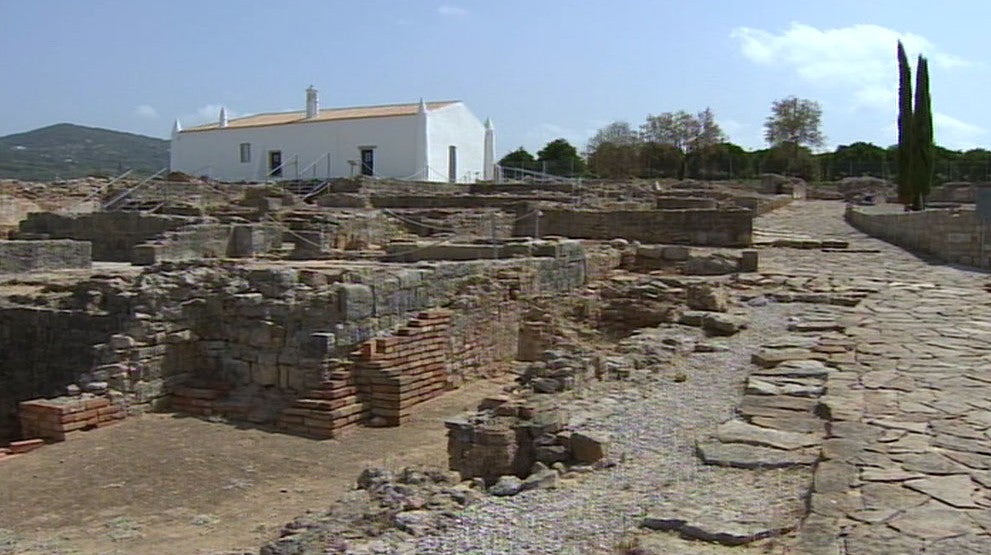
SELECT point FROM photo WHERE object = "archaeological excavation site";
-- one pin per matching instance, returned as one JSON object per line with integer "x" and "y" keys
{"x": 373, "y": 366}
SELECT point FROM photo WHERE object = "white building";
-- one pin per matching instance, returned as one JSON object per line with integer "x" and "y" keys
{"x": 429, "y": 141}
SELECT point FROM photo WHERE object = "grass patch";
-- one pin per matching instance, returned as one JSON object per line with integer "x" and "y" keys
{"x": 204, "y": 520}
{"x": 8, "y": 541}
{"x": 123, "y": 528}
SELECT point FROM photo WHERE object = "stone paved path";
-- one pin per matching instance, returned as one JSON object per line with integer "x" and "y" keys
{"x": 906, "y": 463}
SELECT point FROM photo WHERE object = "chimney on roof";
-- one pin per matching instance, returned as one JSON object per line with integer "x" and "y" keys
{"x": 312, "y": 103}
{"x": 223, "y": 117}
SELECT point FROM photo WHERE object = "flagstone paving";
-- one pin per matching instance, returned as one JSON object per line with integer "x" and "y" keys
{"x": 905, "y": 465}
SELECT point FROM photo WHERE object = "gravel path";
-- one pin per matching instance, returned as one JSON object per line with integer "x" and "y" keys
{"x": 655, "y": 425}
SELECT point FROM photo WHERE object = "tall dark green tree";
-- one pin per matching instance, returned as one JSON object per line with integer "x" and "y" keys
{"x": 924, "y": 164}
{"x": 519, "y": 158}
{"x": 558, "y": 157}
{"x": 905, "y": 155}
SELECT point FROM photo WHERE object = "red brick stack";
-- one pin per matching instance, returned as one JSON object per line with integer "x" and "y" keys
{"x": 324, "y": 411}
{"x": 410, "y": 367}
{"x": 20, "y": 447}
{"x": 52, "y": 419}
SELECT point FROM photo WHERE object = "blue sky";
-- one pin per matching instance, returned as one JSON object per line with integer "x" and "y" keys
{"x": 539, "y": 69}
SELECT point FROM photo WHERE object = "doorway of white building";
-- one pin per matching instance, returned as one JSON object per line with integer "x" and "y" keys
{"x": 275, "y": 163}
{"x": 367, "y": 161}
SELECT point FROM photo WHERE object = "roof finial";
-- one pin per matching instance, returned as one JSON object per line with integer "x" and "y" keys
{"x": 223, "y": 117}
{"x": 423, "y": 107}
{"x": 176, "y": 127}
{"x": 488, "y": 124}
{"x": 312, "y": 103}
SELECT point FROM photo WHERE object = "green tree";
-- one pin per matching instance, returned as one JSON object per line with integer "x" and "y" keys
{"x": 559, "y": 157}
{"x": 519, "y": 158}
{"x": 613, "y": 151}
{"x": 855, "y": 160}
{"x": 692, "y": 135}
{"x": 924, "y": 155}
{"x": 904, "y": 181}
{"x": 730, "y": 161}
{"x": 784, "y": 159}
{"x": 794, "y": 123}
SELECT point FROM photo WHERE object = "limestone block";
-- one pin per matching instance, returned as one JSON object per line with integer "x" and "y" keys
{"x": 707, "y": 297}
{"x": 589, "y": 447}
{"x": 357, "y": 301}
{"x": 265, "y": 373}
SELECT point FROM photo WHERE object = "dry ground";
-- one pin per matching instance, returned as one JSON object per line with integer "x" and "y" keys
{"x": 166, "y": 484}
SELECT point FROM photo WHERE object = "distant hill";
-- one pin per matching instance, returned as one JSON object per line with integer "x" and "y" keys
{"x": 65, "y": 151}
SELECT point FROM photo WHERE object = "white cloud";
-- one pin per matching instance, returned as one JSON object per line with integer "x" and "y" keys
{"x": 956, "y": 134}
{"x": 859, "y": 58}
{"x": 447, "y": 10}
{"x": 146, "y": 111}
{"x": 208, "y": 113}
{"x": 537, "y": 137}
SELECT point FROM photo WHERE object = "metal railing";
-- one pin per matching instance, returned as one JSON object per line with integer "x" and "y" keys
{"x": 531, "y": 175}
{"x": 100, "y": 191}
{"x": 119, "y": 199}
{"x": 313, "y": 166}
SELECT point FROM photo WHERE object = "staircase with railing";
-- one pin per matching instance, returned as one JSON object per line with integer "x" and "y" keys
{"x": 126, "y": 200}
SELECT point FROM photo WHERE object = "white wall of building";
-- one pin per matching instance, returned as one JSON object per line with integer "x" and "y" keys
{"x": 455, "y": 125}
{"x": 398, "y": 142}
{"x": 217, "y": 152}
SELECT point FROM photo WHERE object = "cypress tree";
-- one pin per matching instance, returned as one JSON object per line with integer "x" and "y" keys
{"x": 905, "y": 153}
{"x": 924, "y": 154}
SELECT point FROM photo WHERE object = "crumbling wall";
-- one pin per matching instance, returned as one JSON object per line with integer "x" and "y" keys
{"x": 43, "y": 350}
{"x": 26, "y": 256}
{"x": 502, "y": 202}
{"x": 248, "y": 340}
{"x": 317, "y": 233}
{"x": 199, "y": 241}
{"x": 718, "y": 228}
{"x": 112, "y": 234}
{"x": 474, "y": 223}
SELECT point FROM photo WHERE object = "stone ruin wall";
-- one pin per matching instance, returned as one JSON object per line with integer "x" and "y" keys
{"x": 29, "y": 256}
{"x": 703, "y": 227}
{"x": 43, "y": 351}
{"x": 112, "y": 234}
{"x": 955, "y": 235}
{"x": 274, "y": 333}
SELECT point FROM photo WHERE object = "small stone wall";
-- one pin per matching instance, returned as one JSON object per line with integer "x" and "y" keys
{"x": 352, "y": 229}
{"x": 679, "y": 202}
{"x": 209, "y": 241}
{"x": 717, "y": 228}
{"x": 112, "y": 234}
{"x": 950, "y": 235}
{"x": 43, "y": 351}
{"x": 503, "y": 202}
{"x": 27, "y": 256}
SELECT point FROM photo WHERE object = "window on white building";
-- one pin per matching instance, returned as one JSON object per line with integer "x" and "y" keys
{"x": 245, "y": 153}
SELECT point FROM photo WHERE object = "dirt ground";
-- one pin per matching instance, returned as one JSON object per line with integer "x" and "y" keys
{"x": 162, "y": 483}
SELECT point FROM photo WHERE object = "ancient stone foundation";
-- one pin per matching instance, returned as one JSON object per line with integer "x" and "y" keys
{"x": 27, "y": 256}
{"x": 704, "y": 227}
